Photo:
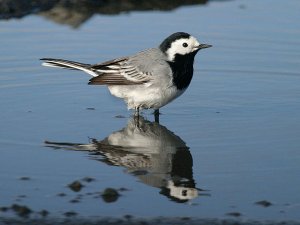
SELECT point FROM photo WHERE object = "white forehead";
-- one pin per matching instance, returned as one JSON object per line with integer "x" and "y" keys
{"x": 178, "y": 48}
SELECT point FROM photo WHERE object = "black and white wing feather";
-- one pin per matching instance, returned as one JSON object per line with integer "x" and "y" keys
{"x": 119, "y": 72}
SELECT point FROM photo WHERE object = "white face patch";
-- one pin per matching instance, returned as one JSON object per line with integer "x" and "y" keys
{"x": 182, "y": 46}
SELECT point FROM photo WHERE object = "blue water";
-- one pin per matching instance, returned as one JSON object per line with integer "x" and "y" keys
{"x": 239, "y": 120}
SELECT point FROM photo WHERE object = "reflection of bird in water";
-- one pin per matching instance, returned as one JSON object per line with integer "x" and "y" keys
{"x": 148, "y": 151}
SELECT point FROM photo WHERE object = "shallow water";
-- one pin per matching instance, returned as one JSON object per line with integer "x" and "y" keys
{"x": 230, "y": 141}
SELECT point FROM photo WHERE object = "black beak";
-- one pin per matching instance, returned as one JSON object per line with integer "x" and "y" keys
{"x": 201, "y": 46}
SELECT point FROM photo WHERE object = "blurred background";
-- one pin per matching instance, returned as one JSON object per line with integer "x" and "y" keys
{"x": 226, "y": 149}
{"x": 74, "y": 13}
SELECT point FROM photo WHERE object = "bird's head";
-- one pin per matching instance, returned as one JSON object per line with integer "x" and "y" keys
{"x": 181, "y": 43}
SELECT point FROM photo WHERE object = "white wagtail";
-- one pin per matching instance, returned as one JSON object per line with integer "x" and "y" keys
{"x": 151, "y": 152}
{"x": 149, "y": 79}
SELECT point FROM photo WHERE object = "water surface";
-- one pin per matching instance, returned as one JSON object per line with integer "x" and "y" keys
{"x": 230, "y": 141}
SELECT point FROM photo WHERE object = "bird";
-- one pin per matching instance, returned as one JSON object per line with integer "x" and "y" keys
{"x": 149, "y": 79}
{"x": 151, "y": 152}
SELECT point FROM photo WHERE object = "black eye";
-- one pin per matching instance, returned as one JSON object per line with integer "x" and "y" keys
{"x": 185, "y": 44}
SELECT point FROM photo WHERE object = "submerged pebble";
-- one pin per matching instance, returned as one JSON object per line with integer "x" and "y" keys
{"x": 21, "y": 210}
{"x": 76, "y": 186}
{"x": 234, "y": 214}
{"x": 110, "y": 195}
{"x": 123, "y": 189}
{"x": 25, "y": 178}
{"x": 128, "y": 217}
{"x": 44, "y": 213}
{"x": 74, "y": 201}
{"x": 61, "y": 194}
{"x": 3, "y": 209}
{"x": 264, "y": 203}
{"x": 120, "y": 116}
{"x": 88, "y": 179}
{"x": 70, "y": 214}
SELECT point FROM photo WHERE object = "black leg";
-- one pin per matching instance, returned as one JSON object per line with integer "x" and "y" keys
{"x": 156, "y": 115}
{"x": 136, "y": 116}
{"x": 137, "y": 112}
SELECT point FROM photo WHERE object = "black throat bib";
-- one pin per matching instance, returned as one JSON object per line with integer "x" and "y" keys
{"x": 182, "y": 68}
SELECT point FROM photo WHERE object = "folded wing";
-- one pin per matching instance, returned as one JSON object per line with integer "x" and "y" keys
{"x": 119, "y": 72}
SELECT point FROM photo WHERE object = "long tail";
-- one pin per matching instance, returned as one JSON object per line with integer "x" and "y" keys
{"x": 66, "y": 64}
